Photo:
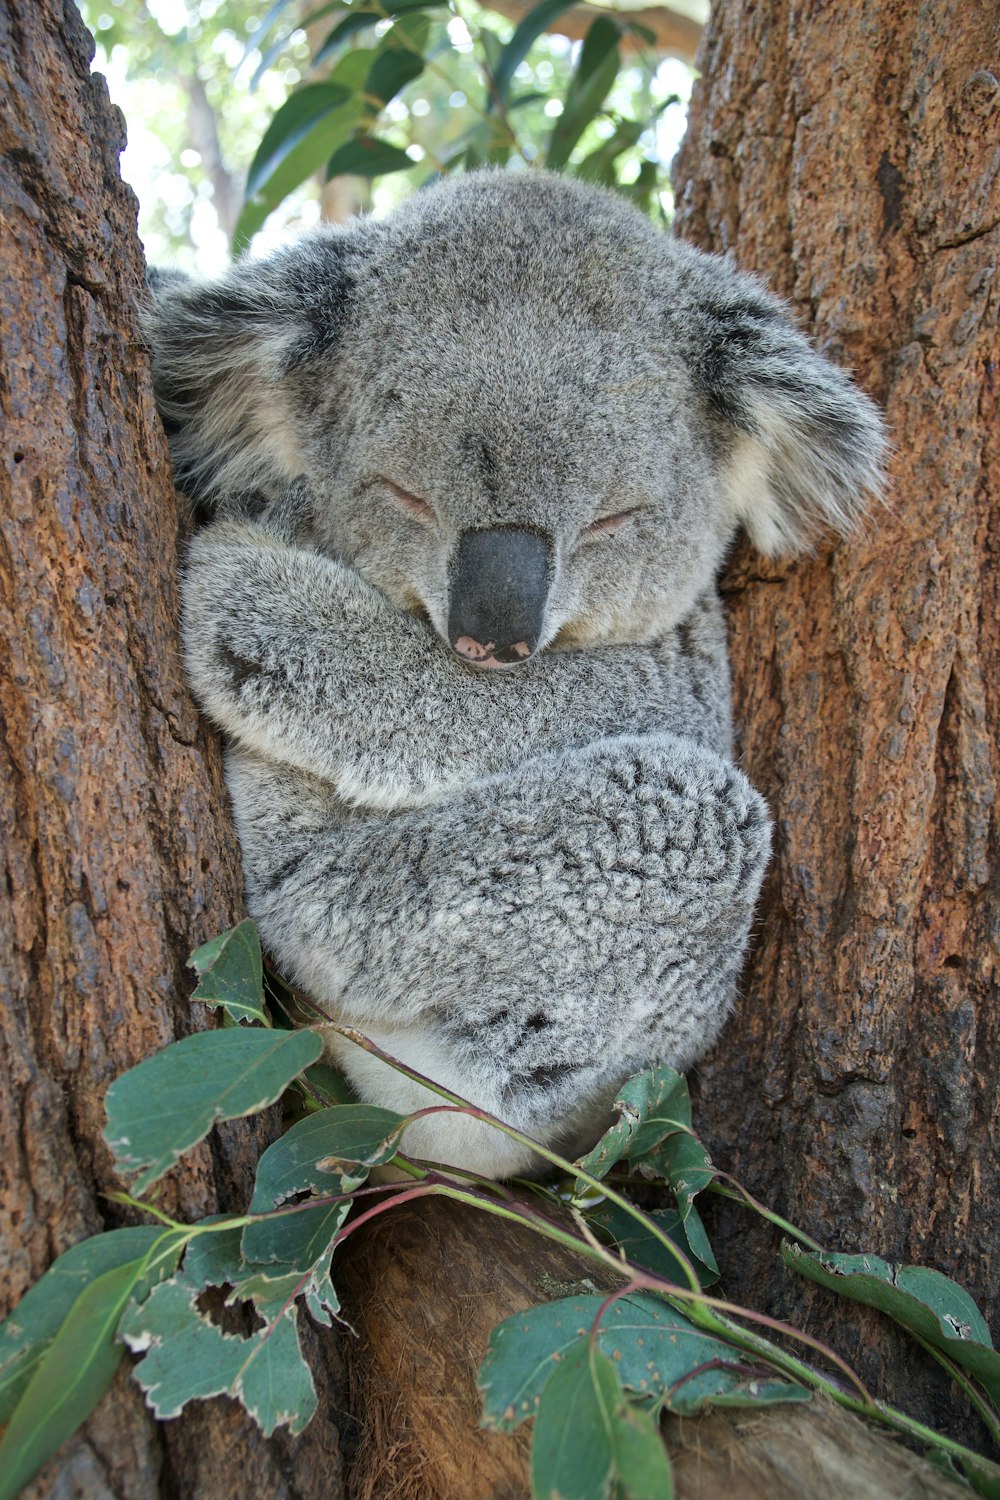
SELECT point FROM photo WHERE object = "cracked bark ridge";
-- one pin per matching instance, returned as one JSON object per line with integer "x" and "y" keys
{"x": 118, "y": 855}
{"x": 850, "y": 154}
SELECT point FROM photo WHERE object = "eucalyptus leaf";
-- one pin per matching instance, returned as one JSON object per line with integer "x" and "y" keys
{"x": 650, "y": 1106}
{"x": 231, "y": 973}
{"x": 37, "y": 1318}
{"x": 297, "y": 1239}
{"x": 359, "y": 19}
{"x": 572, "y": 1452}
{"x": 71, "y": 1378}
{"x": 686, "y": 1165}
{"x": 367, "y": 157}
{"x": 292, "y": 122}
{"x": 276, "y": 48}
{"x": 526, "y": 33}
{"x": 165, "y": 1105}
{"x": 641, "y": 1246}
{"x": 922, "y": 1300}
{"x": 654, "y": 1348}
{"x": 399, "y": 59}
{"x": 186, "y": 1358}
{"x": 590, "y": 85}
{"x": 324, "y": 1151}
{"x": 330, "y": 1084}
{"x": 641, "y": 1464}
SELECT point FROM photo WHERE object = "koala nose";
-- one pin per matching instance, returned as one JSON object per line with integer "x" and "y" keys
{"x": 499, "y": 584}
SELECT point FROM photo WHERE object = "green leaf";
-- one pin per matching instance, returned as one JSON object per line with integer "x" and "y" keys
{"x": 924, "y": 1301}
{"x": 231, "y": 973}
{"x": 981, "y": 1474}
{"x": 588, "y": 1439}
{"x": 652, "y": 1345}
{"x": 642, "y": 1466}
{"x": 367, "y": 157}
{"x": 527, "y": 31}
{"x": 595, "y": 73}
{"x": 276, "y": 48}
{"x": 399, "y": 59}
{"x": 330, "y": 1084}
{"x": 37, "y": 1318}
{"x": 321, "y": 1152}
{"x": 296, "y": 118}
{"x": 686, "y": 1165}
{"x": 358, "y": 19}
{"x": 298, "y": 1239}
{"x": 599, "y": 166}
{"x": 311, "y": 152}
{"x": 187, "y": 1358}
{"x": 641, "y": 1246}
{"x": 164, "y": 1106}
{"x": 77, "y": 1369}
{"x": 651, "y": 1105}
{"x": 572, "y": 1454}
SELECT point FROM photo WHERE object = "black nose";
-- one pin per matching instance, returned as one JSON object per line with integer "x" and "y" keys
{"x": 499, "y": 585}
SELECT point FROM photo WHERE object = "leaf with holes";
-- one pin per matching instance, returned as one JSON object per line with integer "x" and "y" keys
{"x": 167, "y": 1104}
{"x": 231, "y": 975}
{"x": 922, "y": 1300}
{"x": 185, "y": 1357}
{"x": 686, "y": 1165}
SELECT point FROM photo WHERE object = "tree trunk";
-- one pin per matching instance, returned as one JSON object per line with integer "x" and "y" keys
{"x": 119, "y": 855}
{"x": 850, "y": 154}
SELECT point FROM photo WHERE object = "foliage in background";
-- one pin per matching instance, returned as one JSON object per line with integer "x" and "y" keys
{"x": 594, "y": 1371}
{"x": 205, "y": 83}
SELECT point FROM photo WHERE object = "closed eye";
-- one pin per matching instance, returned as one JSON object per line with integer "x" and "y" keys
{"x": 412, "y": 503}
{"x": 606, "y": 524}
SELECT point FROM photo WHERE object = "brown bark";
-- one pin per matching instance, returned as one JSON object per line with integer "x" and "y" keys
{"x": 118, "y": 854}
{"x": 851, "y": 154}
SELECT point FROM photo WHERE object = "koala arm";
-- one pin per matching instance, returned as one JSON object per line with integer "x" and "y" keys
{"x": 533, "y": 939}
{"x": 300, "y": 660}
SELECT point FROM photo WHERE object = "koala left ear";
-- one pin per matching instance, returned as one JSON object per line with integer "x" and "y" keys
{"x": 805, "y": 445}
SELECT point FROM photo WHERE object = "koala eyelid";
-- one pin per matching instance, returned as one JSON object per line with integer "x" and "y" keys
{"x": 607, "y": 524}
{"x": 412, "y": 503}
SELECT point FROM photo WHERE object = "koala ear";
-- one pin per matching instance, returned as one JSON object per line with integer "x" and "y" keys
{"x": 223, "y": 352}
{"x": 805, "y": 446}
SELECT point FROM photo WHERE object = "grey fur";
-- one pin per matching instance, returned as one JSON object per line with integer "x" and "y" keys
{"x": 529, "y": 882}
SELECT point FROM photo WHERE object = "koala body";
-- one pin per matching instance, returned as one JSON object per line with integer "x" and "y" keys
{"x": 473, "y": 471}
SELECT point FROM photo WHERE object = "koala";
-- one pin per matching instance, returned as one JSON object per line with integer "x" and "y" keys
{"x": 469, "y": 475}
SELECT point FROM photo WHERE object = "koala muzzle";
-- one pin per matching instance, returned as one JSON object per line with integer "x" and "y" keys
{"x": 499, "y": 583}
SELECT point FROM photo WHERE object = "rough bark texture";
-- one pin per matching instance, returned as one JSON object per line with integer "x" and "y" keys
{"x": 118, "y": 855}
{"x": 851, "y": 154}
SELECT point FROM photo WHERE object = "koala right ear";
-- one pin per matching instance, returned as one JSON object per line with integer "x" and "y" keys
{"x": 222, "y": 352}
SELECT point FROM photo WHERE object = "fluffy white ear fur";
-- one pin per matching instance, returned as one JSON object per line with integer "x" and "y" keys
{"x": 805, "y": 447}
{"x": 788, "y": 479}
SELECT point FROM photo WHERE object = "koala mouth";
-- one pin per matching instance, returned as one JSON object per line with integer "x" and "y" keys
{"x": 489, "y": 655}
{"x": 499, "y": 585}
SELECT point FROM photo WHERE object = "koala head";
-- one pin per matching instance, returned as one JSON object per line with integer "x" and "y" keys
{"x": 517, "y": 407}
